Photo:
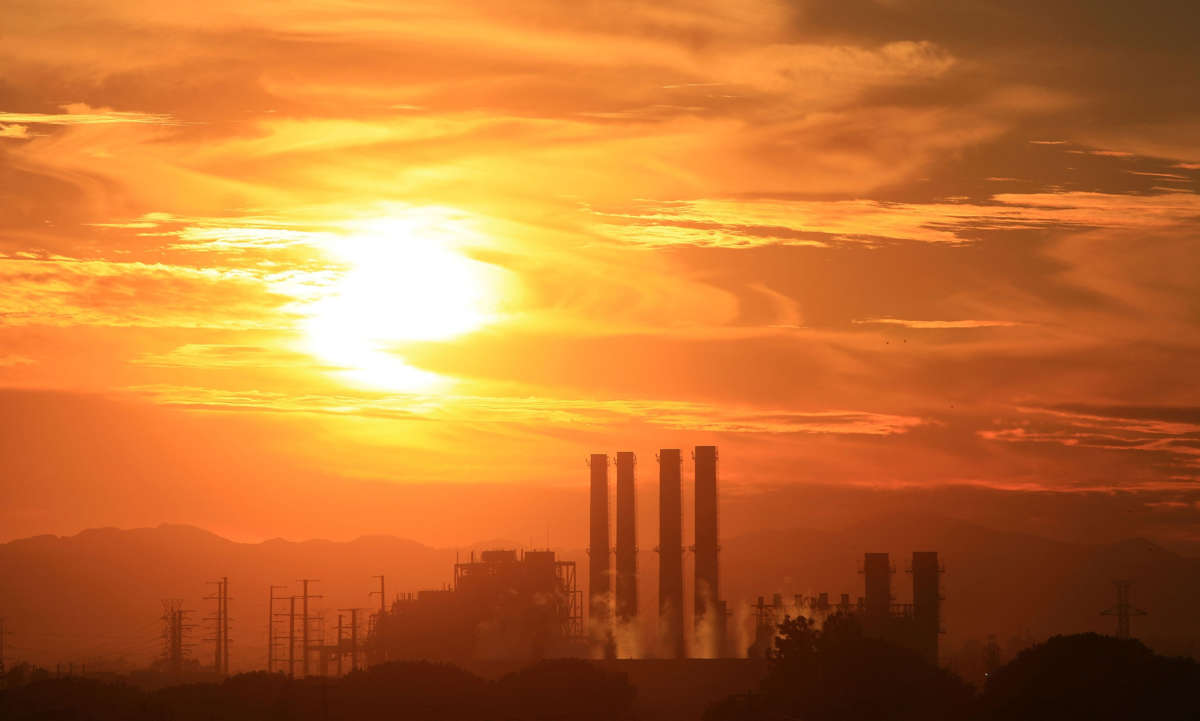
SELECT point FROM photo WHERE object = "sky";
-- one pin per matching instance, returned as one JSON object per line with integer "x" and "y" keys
{"x": 332, "y": 267}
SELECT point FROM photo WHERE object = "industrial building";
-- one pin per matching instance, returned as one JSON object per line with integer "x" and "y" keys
{"x": 528, "y": 606}
{"x": 522, "y": 606}
{"x": 710, "y": 613}
{"x": 504, "y": 605}
{"x": 915, "y": 625}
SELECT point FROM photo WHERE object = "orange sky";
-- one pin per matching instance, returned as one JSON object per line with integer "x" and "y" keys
{"x": 322, "y": 268}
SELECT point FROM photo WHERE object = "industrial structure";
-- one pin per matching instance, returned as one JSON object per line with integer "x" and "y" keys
{"x": 915, "y": 625}
{"x": 627, "y": 548}
{"x": 514, "y": 606}
{"x": 174, "y": 635}
{"x": 220, "y": 625}
{"x": 670, "y": 554}
{"x": 504, "y": 605}
{"x": 709, "y": 611}
{"x": 599, "y": 571}
{"x": 1124, "y": 609}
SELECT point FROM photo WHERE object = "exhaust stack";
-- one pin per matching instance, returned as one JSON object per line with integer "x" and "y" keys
{"x": 670, "y": 553}
{"x": 599, "y": 586}
{"x": 626, "y": 590}
{"x": 707, "y": 585}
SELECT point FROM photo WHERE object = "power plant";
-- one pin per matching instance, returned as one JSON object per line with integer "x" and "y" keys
{"x": 915, "y": 625}
{"x": 504, "y": 605}
{"x": 522, "y": 605}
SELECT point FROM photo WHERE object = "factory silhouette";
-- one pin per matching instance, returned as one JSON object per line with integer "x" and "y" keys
{"x": 512, "y": 605}
{"x": 515, "y": 636}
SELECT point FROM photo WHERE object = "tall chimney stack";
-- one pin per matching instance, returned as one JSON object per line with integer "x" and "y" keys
{"x": 626, "y": 591}
{"x": 927, "y": 602}
{"x": 707, "y": 585}
{"x": 878, "y": 571}
{"x": 599, "y": 584}
{"x": 670, "y": 553}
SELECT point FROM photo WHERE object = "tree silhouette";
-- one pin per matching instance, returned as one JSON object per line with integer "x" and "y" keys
{"x": 835, "y": 673}
{"x": 1088, "y": 676}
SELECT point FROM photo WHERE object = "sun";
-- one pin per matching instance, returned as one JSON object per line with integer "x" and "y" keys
{"x": 406, "y": 278}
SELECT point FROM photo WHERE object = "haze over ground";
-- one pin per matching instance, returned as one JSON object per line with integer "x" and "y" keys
{"x": 94, "y": 598}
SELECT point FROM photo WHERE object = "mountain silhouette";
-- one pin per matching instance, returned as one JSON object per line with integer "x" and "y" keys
{"x": 94, "y": 597}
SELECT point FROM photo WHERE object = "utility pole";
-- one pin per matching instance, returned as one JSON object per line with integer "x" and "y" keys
{"x": 378, "y": 621}
{"x": 354, "y": 639}
{"x": 174, "y": 630}
{"x": 3, "y": 633}
{"x": 292, "y": 637}
{"x": 353, "y": 635}
{"x": 305, "y": 650}
{"x": 339, "y": 645}
{"x": 382, "y": 597}
{"x": 272, "y": 619}
{"x": 1124, "y": 609}
{"x": 220, "y": 621}
{"x": 225, "y": 623}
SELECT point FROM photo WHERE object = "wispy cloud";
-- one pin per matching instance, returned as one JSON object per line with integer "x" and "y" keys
{"x": 82, "y": 114}
{"x": 80, "y": 292}
{"x": 731, "y": 223}
{"x": 15, "y": 131}
{"x": 1128, "y": 429}
{"x": 215, "y": 355}
{"x": 537, "y": 411}
{"x": 938, "y": 324}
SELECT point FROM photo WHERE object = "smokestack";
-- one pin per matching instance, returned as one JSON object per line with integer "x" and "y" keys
{"x": 927, "y": 602}
{"x": 878, "y": 571}
{"x": 670, "y": 553}
{"x": 707, "y": 585}
{"x": 626, "y": 596}
{"x": 598, "y": 568}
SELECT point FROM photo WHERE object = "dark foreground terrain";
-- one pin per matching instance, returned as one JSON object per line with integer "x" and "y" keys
{"x": 829, "y": 674}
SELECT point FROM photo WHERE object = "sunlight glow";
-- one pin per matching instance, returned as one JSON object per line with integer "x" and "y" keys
{"x": 407, "y": 279}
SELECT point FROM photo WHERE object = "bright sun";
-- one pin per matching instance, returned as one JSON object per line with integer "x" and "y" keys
{"x": 406, "y": 279}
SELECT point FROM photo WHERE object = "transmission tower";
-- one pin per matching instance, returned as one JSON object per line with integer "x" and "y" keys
{"x": 274, "y": 618}
{"x": 220, "y": 621}
{"x": 376, "y": 620}
{"x": 382, "y": 598}
{"x": 292, "y": 637}
{"x": 354, "y": 649}
{"x": 175, "y": 629}
{"x": 1124, "y": 609}
{"x": 3, "y": 632}
{"x": 305, "y": 646}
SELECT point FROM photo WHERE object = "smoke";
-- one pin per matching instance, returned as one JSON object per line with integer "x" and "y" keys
{"x": 630, "y": 638}
{"x": 757, "y": 625}
{"x": 625, "y": 638}
{"x": 708, "y": 636}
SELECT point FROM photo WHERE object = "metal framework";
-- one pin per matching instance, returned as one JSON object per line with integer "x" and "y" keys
{"x": 1124, "y": 609}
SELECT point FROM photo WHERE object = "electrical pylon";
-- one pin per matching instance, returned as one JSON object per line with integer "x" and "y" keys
{"x": 1124, "y": 609}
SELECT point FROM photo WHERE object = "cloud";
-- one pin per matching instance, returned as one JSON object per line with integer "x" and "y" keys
{"x": 15, "y": 131}
{"x": 732, "y": 223}
{"x": 78, "y": 292}
{"x": 939, "y": 324}
{"x": 1172, "y": 433}
{"x": 213, "y": 355}
{"x": 542, "y": 413}
{"x": 82, "y": 114}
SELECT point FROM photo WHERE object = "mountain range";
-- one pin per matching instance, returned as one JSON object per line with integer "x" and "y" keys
{"x": 95, "y": 598}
